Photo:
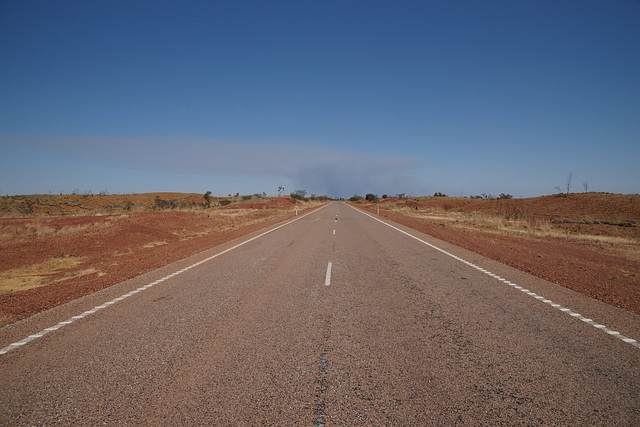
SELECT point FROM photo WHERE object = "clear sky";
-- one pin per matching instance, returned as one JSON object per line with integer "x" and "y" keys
{"x": 335, "y": 97}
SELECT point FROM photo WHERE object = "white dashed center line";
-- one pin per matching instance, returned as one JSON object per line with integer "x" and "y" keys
{"x": 327, "y": 279}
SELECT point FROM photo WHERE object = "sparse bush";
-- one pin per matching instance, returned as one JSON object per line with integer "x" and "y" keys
{"x": 355, "y": 198}
{"x": 439, "y": 194}
{"x": 505, "y": 196}
{"x": 207, "y": 198}
{"x": 167, "y": 204}
{"x": 297, "y": 196}
{"x": 224, "y": 202}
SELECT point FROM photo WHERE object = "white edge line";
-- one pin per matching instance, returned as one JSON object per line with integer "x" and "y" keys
{"x": 147, "y": 286}
{"x": 551, "y": 303}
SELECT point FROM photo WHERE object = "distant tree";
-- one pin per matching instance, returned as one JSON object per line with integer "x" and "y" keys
{"x": 400, "y": 195}
{"x": 355, "y": 198}
{"x": 280, "y": 190}
{"x": 207, "y": 198}
{"x": 371, "y": 197}
{"x": 384, "y": 196}
{"x": 505, "y": 196}
{"x": 439, "y": 194}
{"x": 300, "y": 193}
{"x": 569, "y": 178}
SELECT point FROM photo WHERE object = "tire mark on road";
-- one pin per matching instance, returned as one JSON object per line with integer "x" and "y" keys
{"x": 322, "y": 377}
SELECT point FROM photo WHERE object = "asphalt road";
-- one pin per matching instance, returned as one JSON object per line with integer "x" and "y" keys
{"x": 333, "y": 319}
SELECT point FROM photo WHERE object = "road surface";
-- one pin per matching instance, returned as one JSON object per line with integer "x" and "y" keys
{"x": 333, "y": 319}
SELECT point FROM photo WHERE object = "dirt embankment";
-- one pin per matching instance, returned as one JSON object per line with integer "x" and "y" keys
{"x": 586, "y": 242}
{"x": 47, "y": 261}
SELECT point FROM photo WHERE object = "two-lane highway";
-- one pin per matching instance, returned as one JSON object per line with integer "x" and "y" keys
{"x": 332, "y": 319}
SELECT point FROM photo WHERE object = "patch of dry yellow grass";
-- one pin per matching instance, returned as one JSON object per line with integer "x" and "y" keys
{"x": 6, "y": 319}
{"x": 501, "y": 225}
{"x": 129, "y": 251}
{"x": 154, "y": 244}
{"x": 36, "y": 275}
{"x": 38, "y": 229}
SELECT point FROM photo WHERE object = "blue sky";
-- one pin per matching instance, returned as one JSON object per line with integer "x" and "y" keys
{"x": 335, "y": 97}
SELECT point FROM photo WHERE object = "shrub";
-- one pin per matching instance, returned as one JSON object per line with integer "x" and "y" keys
{"x": 439, "y": 194}
{"x": 371, "y": 197}
{"x": 296, "y": 196}
{"x": 355, "y": 198}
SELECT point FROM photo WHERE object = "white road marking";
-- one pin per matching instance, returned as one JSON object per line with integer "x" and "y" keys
{"x": 327, "y": 279}
{"x": 547, "y": 301}
{"x": 147, "y": 286}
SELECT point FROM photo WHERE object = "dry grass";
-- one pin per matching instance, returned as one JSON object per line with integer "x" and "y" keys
{"x": 500, "y": 225}
{"x": 184, "y": 235}
{"x": 39, "y": 230}
{"x": 154, "y": 244}
{"x": 36, "y": 275}
{"x": 6, "y": 319}
{"x": 129, "y": 251}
